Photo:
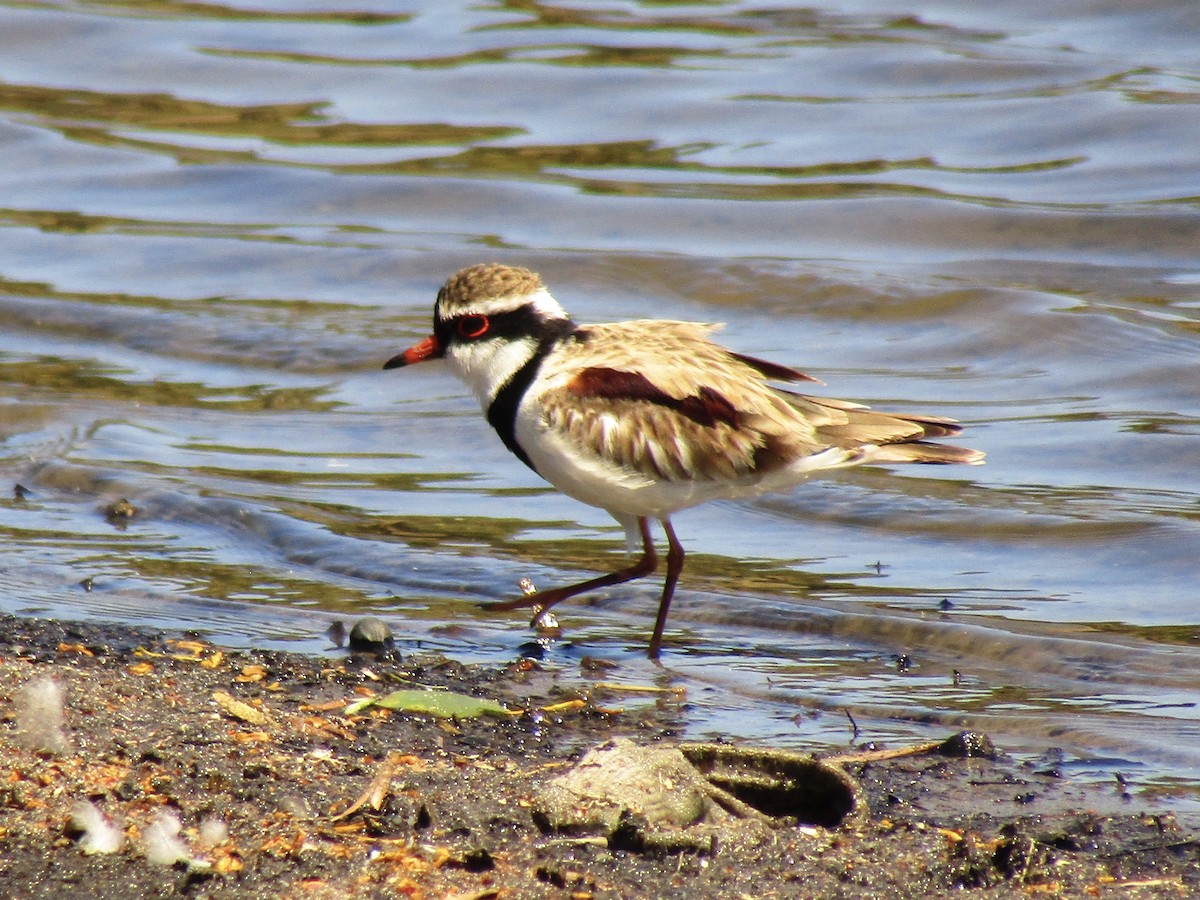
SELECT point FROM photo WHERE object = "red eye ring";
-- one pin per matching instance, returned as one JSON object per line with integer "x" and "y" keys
{"x": 471, "y": 327}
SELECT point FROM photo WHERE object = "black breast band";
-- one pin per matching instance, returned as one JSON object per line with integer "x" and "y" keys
{"x": 502, "y": 411}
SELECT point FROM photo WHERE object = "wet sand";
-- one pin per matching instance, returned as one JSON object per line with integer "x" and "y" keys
{"x": 281, "y": 792}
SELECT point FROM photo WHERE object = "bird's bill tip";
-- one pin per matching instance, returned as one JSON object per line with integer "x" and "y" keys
{"x": 430, "y": 348}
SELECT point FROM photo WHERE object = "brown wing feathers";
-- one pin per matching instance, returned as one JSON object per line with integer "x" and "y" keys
{"x": 706, "y": 406}
{"x": 774, "y": 371}
{"x": 626, "y": 418}
{"x": 898, "y": 436}
{"x": 704, "y": 412}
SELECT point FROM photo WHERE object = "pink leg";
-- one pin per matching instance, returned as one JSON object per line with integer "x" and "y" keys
{"x": 675, "y": 556}
{"x": 546, "y": 599}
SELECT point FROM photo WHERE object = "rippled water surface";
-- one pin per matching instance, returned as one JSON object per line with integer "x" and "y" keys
{"x": 218, "y": 220}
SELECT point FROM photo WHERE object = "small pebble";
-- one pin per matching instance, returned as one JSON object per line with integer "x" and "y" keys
{"x": 120, "y": 510}
{"x": 968, "y": 744}
{"x": 370, "y": 633}
{"x": 595, "y": 665}
{"x": 336, "y": 632}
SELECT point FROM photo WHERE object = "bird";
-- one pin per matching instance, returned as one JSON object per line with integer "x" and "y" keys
{"x": 645, "y": 418}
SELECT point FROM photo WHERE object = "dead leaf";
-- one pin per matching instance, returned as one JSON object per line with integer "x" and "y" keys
{"x": 377, "y": 791}
{"x": 251, "y": 673}
{"x": 227, "y": 863}
{"x": 241, "y": 710}
{"x": 195, "y": 648}
{"x": 75, "y": 648}
{"x": 245, "y": 737}
{"x": 323, "y": 707}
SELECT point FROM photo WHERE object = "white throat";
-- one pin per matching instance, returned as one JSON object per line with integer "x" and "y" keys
{"x": 487, "y": 366}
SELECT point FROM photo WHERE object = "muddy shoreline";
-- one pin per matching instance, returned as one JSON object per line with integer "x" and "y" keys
{"x": 278, "y": 791}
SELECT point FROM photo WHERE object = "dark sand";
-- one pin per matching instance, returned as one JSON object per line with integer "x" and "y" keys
{"x": 145, "y": 732}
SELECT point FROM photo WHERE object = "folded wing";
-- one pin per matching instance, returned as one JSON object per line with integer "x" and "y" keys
{"x": 685, "y": 408}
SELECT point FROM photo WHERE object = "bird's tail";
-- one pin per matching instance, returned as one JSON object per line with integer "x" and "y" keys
{"x": 924, "y": 452}
{"x": 882, "y": 437}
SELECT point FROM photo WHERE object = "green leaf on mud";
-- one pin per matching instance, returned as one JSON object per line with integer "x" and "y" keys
{"x": 444, "y": 704}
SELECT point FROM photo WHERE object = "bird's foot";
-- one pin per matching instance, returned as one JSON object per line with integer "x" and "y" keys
{"x": 532, "y": 598}
{"x": 543, "y": 620}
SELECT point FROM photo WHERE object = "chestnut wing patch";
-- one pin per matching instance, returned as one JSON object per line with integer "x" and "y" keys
{"x": 774, "y": 371}
{"x": 706, "y": 407}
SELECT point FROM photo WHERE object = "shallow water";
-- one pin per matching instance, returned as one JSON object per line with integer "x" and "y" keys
{"x": 219, "y": 220}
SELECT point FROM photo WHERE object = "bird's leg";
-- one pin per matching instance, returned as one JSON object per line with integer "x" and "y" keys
{"x": 546, "y": 599}
{"x": 675, "y": 556}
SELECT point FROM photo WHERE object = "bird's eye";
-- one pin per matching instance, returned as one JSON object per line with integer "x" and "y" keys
{"x": 471, "y": 327}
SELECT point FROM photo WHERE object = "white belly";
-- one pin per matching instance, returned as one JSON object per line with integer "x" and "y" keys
{"x": 594, "y": 480}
